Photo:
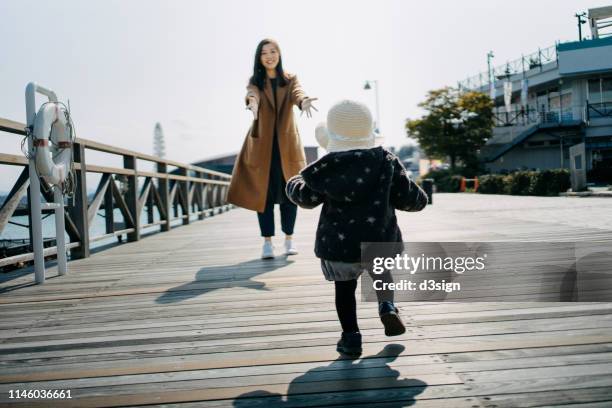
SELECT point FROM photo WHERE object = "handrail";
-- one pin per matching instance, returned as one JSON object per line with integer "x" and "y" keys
{"x": 527, "y": 115}
{"x": 598, "y": 110}
{"x": 188, "y": 193}
{"x": 10, "y": 126}
{"x": 527, "y": 62}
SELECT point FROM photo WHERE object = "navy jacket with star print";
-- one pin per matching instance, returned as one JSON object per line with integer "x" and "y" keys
{"x": 360, "y": 191}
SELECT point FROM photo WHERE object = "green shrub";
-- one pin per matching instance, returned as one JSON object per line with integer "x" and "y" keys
{"x": 541, "y": 183}
{"x": 558, "y": 181}
{"x": 491, "y": 184}
{"x": 445, "y": 180}
{"x": 550, "y": 182}
{"x": 519, "y": 183}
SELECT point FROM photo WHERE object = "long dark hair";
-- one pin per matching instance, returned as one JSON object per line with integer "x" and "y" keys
{"x": 259, "y": 71}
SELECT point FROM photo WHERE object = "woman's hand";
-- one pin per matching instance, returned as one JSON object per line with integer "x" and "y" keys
{"x": 307, "y": 105}
{"x": 253, "y": 106}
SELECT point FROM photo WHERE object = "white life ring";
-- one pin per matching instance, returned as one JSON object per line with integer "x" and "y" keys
{"x": 53, "y": 160}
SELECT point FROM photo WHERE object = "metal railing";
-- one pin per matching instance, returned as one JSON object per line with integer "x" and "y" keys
{"x": 187, "y": 192}
{"x": 525, "y": 63}
{"x": 598, "y": 110}
{"x": 528, "y": 116}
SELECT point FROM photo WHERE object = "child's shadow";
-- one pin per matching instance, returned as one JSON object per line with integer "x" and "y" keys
{"x": 345, "y": 382}
{"x": 224, "y": 276}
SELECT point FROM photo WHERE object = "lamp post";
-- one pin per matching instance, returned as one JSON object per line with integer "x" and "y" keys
{"x": 367, "y": 86}
{"x": 580, "y": 23}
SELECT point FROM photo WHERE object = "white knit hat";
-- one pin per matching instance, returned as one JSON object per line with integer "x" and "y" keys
{"x": 349, "y": 126}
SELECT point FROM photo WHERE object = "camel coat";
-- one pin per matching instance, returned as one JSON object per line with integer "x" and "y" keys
{"x": 249, "y": 185}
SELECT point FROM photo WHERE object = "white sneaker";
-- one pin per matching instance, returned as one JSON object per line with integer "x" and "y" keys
{"x": 268, "y": 250}
{"x": 290, "y": 248}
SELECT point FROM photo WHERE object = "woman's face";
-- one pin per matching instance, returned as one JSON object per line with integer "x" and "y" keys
{"x": 269, "y": 56}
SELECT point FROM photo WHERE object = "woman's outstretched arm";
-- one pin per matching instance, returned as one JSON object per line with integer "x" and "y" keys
{"x": 299, "y": 98}
{"x": 297, "y": 93}
{"x": 252, "y": 93}
{"x": 252, "y": 100}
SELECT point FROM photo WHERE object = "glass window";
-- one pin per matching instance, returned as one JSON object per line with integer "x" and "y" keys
{"x": 594, "y": 91}
{"x": 606, "y": 88}
{"x": 566, "y": 101}
{"x": 554, "y": 102}
{"x": 578, "y": 162}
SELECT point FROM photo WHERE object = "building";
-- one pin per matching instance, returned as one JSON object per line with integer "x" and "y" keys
{"x": 551, "y": 100}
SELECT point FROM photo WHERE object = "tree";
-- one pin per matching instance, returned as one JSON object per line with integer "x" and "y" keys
{"x": 455, "y": 126}
{"x": 159, "y": 145}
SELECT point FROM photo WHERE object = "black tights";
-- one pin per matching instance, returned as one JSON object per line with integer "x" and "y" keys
{"x": 346, "y": 304}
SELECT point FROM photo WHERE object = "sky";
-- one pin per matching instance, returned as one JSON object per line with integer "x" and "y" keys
{"x": 125, "y": 65}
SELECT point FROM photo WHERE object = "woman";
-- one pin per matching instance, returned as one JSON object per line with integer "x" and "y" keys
{"x": 272, "y": 152}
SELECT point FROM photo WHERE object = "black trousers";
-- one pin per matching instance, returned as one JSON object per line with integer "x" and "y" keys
{"x": 288, "y": 212}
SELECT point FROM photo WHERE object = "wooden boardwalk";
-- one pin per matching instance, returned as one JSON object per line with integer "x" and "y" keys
{"x": 192, "y": 318}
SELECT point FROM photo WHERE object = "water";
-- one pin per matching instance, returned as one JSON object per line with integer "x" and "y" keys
{"x": 96, "y": 228}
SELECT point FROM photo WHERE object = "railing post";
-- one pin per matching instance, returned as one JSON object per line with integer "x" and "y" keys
{"x": 109, "y": 209}
{"x": 184, "y": 190}
{"x": 150, "y": 203}
{"x": 201, "y": 198}
{"x": 587, "y": 114}
{"x": 131, "y": 197}
{"x": 78, "y": 211}
{"x": 165, "y": 196}
{"x": 224, "y": 195}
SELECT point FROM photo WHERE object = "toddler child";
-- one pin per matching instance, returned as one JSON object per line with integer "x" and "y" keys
{"x": 360, "y": 186}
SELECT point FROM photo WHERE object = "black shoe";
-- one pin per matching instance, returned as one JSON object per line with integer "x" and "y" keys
{"x": 350, "y": 344}
{"x": 389, "y": 315}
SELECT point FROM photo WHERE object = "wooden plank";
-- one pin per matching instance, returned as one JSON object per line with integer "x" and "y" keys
{"x": 131, "y": 197}
{"x": 78, "y": 211}
{"x": 29, "y": 256}
{"x": 92, "y": 168}
{"x": 264, "y": 335}
{"x": 12, "y": 200}
{"x": 157, "y": 200}
{"x": 13, "y": 159}
{"x": 172, "y": 193}
{"x": 340, "y": 369}
{"x": 184, "y": 197}
{"x": 165, "y": 202}
{"x": 325, "y": 393}
{"x": 123, "y": 207}
{"x": 94, "y": 206}
{"x": 573, "y": 398}
{"x": 295, "y": 354}
{"x": 112, "y": 234}
{"x": 144, "y": 194}
{"x": 398, "y": 397}
{"x": 11, "y": 126}
{"x": 109, "y": 209}
{"x": 176, "y": 340}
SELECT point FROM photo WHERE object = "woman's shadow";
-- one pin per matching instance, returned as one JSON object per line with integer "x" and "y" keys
{"x": 367, "y": 380}
{"x": 211, "y": 278}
